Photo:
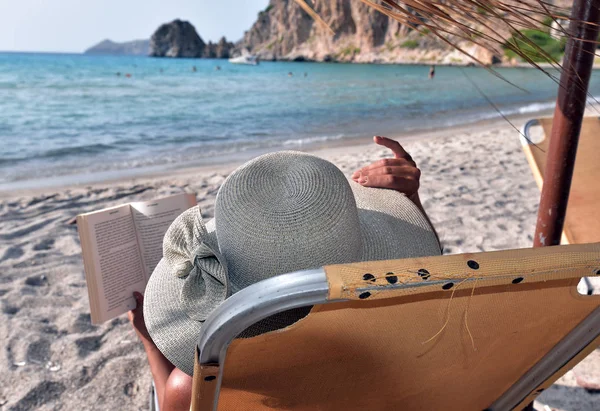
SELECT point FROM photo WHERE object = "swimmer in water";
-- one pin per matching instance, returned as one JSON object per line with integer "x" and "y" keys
{"x": 431, "y": 72}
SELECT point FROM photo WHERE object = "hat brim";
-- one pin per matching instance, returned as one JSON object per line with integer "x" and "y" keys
{"x": 172, "y": 330}
{"x": 392, "y": 227}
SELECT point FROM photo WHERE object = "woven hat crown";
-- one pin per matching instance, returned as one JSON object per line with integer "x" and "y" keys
{"x": 279, "y": 213}
{"x": 283, "y": 212}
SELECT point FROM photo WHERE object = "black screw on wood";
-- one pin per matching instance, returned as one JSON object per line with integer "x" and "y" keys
{"x": 448, "y": 286}
{"x": 368, "y": 277}
{"x": 423, "y": 273}
{"x": 391, "y": 278}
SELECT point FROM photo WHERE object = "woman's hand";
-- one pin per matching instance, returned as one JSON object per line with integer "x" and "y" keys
{"x": 136, "y": 317}
{"x": 399, "y": 173}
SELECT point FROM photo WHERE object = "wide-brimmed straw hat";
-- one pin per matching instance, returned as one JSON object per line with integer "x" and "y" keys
{"x": 279, "y": 213}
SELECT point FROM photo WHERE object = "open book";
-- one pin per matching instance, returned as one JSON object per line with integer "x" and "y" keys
{"x": 121, "y": 246}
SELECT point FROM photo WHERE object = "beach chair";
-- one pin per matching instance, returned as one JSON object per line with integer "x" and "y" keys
{"x": 582, "y": 224}
{"x": 462, "y": 332}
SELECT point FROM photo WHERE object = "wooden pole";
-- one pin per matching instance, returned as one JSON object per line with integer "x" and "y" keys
{"x": 566, "y": 126}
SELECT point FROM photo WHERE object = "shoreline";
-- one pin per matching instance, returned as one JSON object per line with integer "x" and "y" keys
{"x": 231, "y": 160}
{"x": 91, "y": 134}
{"x": 519, "y": 65}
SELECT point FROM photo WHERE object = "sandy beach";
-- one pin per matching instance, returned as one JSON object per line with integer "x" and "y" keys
{"x": 476, "y": 187}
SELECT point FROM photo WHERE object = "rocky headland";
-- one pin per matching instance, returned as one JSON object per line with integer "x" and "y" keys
{"x": 180, "y": 39}
{"x": 283, "y": 31}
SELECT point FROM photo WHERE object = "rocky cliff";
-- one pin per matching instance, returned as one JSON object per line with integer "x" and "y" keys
{"x": 132, "y": 48}
{"x": 283, "y": 31}
{"x": 221, "y": 50}
{"x": 180, "y": 39}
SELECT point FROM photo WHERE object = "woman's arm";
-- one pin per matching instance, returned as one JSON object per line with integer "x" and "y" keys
{"x": 173, "y": 386}
{"x": 160, "y": 367}
{"x": 399, "y": 173}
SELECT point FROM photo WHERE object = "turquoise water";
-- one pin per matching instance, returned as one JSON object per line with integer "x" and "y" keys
{"x": 73, "y": 114}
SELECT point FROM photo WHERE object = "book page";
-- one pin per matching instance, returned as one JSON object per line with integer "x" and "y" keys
{"x": 117, "y": 263}
{"x": 152, "y": 219}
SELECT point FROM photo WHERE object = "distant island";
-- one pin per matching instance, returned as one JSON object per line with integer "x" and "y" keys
{"x": 131, "y": 48}
{"x": 177, "y": 39}
{"x": 180, "y": 39}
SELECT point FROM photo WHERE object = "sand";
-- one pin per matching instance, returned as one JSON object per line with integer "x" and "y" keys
{"x": 476, "y": 187}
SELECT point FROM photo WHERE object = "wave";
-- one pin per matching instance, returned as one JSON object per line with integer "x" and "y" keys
{"x": 207, "y": 146}
{"x": 86, "y": 149}
{"x": 312, "y": 140}
{"x": 59, "y": 153}
{"x": 529, "y": 108}
{"x": 459, "y": 117}
{"x": 541, "y": 106}
{"x": 5, "y": 85}
{"x": 536, "y": 107}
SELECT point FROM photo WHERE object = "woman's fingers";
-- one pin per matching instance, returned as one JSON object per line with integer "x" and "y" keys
{"x": 385, "y": 163}
{"x": 406, "y": 184}
{"x": 399, "y": 173}
{"x": 139, "y": 301}
{"x": 136, "y": 316}
{"x": 402, "y": 171}
{"x": 393, "y": 174}
{"x": 393, "y": 145}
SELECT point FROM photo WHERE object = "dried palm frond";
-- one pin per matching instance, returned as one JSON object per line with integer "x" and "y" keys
{"x": 315, "y": 16}
{"x": 495, "y": 25}
{"x": 499, "y": 26}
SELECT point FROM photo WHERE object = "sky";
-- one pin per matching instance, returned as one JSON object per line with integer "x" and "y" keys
{"x": 75, "y": 25}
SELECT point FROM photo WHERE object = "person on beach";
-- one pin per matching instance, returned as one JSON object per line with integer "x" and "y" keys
{"x": 377, "y": 215}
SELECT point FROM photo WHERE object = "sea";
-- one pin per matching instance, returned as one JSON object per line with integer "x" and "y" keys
{"x": 77, "y": 118}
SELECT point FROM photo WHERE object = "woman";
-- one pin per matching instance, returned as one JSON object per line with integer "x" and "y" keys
{"x": 174, "y": 384}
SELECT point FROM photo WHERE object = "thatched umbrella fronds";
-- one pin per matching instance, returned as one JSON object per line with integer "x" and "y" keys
{"x": 500, "y": 26}
{"x": 314, "y": 15}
